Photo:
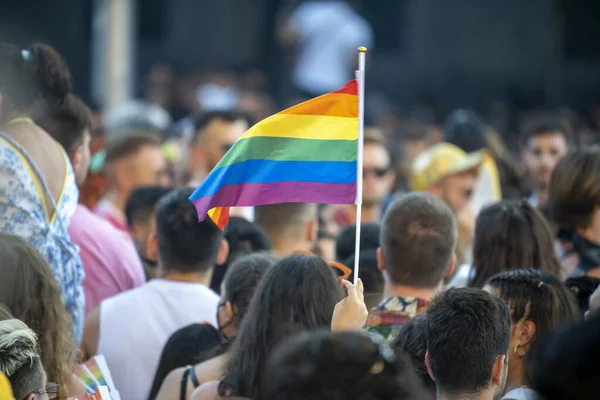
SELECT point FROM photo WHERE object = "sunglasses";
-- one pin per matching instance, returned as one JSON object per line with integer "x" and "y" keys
{"x": 225, "y": 147}
{"x": 342, "y": 272}
{"x": 51, "y": 390}
{"x": 378, "y": 172}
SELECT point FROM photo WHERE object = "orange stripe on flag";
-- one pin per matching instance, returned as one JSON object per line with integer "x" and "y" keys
{"x": 331, "y": 104}
{"x": 220, "y": 216}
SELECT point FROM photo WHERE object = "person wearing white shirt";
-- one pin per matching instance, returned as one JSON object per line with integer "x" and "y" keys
{"x": 328, "y": 34}
{"x": 131, "y": 329}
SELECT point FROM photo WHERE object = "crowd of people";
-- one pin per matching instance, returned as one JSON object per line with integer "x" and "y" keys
{"x": 479, "y": 270}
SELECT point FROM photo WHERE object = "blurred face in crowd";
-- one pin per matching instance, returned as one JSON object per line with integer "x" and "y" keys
{"x": 80, "y": 158}
{"x": 456, "y": 190}
{"x": 147, "y": 167}
{"x": 541, "y": 155}
{"x": 217, "y": 138}
{"x": 378, "y": 176}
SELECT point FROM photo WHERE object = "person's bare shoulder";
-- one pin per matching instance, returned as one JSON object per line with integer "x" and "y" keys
{"x": 211, "y": 369}
{"x": 171, "y": 386}
{"x": 207, "y": 391}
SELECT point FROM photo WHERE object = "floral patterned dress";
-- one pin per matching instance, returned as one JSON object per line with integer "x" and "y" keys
{"x": 24, "y": 214}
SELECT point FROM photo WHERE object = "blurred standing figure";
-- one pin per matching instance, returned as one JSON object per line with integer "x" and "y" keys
{"x": 327, "y": 34}
{"x": 574, "y": 194}
{"x": 545, "y": 140}
{"x": 418, "y": 238}
{"x": 450, "y": 174}
{"x": 38, "y": 193}
{"x": 215, "y": 134}
{"x": 131, "y": 329}
{"x": 141, "y": 219}
{"x": 109, "y": 258}
{"x": 378, "y": 180}
{"x": 132, "y": 161}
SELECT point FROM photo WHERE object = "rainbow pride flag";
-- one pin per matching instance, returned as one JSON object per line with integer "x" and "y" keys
{"x": 305, "y": 154}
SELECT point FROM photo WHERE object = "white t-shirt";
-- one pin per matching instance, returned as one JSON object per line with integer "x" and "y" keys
{"x": 135, "y": 326}
{"x": 522, "y": 393}
{"x": 329, "y": 33}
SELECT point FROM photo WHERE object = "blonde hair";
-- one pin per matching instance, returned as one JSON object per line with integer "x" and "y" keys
{"x": 18, "y": 346}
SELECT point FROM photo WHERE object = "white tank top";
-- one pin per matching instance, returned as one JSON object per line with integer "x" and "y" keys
{"x": 135, "y": 326}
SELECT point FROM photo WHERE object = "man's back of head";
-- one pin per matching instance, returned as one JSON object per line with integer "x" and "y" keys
{"x": 289, "y": 226}
{"x": 418, "y": 239}
{"x": 70, "y": 124}
{"x": 184, "y": 244}
{"x": 468, "y": 333}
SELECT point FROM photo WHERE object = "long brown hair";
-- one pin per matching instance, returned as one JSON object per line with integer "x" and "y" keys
{"x": 511, "y": 235}
{"x": 28, "y": 288}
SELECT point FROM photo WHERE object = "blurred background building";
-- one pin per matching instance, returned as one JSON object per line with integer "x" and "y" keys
{"x": 429, "y": 56}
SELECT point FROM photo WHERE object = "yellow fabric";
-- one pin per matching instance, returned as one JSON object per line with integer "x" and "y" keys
{"x": 323, "y": 127}
{"x": 441, "y": 161}
{"x": 487, "y": 189}
{"x": 5, "y": 388}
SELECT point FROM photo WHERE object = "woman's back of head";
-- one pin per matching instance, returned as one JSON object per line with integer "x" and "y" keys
{"x": 344, "y": 366}
{"x": 297, "y": 294}
{"x": 28, "y": 288}
{"x": 511, "y": 235}
{"x": 37, "y": 72}
{"x": 242, "y": 279}
{"x": 536, "y": 296}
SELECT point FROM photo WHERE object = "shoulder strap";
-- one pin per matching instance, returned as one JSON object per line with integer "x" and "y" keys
{"x": 37, "y": 171}
{"x": 183, "y": 389}
{"x": 193, "y": 376}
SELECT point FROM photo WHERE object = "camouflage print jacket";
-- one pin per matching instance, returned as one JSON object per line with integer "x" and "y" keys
{"x": 388, "y": 317}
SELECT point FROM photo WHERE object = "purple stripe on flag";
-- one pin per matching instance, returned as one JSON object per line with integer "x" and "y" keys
{"x": 255, "y": 194}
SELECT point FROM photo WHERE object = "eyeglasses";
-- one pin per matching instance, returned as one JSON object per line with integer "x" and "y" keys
{"x": 51, "y": 390}
{"x": 342, "y": 272}
{"x": 378, "y": 172}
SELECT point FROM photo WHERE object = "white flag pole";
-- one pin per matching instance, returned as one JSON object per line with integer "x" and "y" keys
{"x": 360, "y": 78}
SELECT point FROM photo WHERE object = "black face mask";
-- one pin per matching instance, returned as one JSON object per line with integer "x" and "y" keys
{"x": 222, "y": 327}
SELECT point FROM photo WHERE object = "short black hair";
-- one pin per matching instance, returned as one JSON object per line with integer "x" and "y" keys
{"x": 323, "y": 365}
{"x": 243, "y": 278}
{"x": 543, "y": 124}
{"x": 412, "y": 341}
{"x": 418, "y": 239}
{"x": 243, "y": 237}
{"x": 184, "y": 243}
{"x": 582, "y": 288}
{"x": 346, "y": 240}
{"x": 141, "y": 203}
{"x": 467, "y": 329}
{"x": 190, "y": 345}
{"x": 67, "y": 122}
{"x": 565, "y": 365}
{"x": 203, "y": 120}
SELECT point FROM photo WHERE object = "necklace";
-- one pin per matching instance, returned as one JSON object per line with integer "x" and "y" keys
{"x": 17, "y": 120}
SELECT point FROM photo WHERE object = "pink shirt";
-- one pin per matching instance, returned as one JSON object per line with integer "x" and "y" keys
{"x": 110, "y": 260}
{"x": 107, "y": 211}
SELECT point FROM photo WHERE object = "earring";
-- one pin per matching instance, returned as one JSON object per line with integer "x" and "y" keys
{"x": 517, "y": 352}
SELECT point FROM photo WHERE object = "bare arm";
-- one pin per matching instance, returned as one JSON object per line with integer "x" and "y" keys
{"x": 91, "y": 334}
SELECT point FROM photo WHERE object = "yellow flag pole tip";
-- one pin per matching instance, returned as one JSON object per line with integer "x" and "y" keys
{"x": 362, "y": 49}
